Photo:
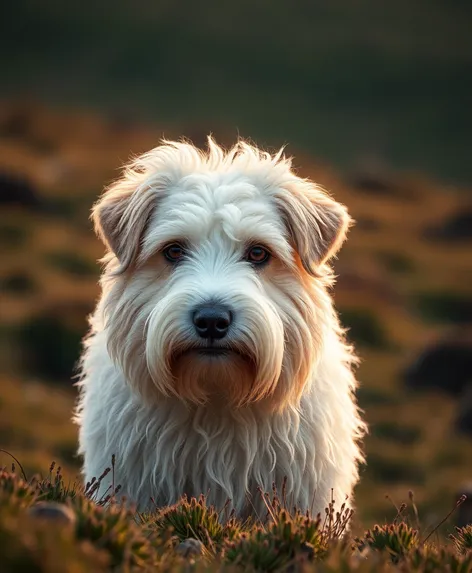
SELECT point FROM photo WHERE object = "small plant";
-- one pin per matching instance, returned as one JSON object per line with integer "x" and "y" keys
{"x": 431, "y": 559}
{"x": 114, "y": 529}
{"x": 193, "y": 519}
{"x": 15, "y": 491}
{"x": 463, "y": 539}
{"x": 289, "y": 537}
{"x": 53, "y": 488}
{"x": 396, "y": 538}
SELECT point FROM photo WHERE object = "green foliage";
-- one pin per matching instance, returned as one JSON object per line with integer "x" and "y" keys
{"x": 193, "y": 519}
{"x": 92, "y": 534}
{"x": 54, "y": 488}
{"x": 14, "y": 491}
{"x": 463, "y": 538}
{"x": 397, "y": 539}
{"x": 437, "y": 560}
{"x": 288, "y": 537}
{"x": 114, "y": 529}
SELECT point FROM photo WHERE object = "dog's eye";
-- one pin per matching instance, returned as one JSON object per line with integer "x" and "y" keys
{"x": 257, "y": 255}
{"x": 173, "y": 253}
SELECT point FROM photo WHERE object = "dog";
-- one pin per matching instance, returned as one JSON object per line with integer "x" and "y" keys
{"x": 215, "y": 361}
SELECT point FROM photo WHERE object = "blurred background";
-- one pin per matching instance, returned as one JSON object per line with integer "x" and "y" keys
{"x": 373, "y": 100}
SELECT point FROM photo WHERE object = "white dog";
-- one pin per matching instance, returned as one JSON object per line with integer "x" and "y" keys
{"x": 216, "y": 363}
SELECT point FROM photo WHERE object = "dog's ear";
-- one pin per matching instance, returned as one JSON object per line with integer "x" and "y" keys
{"x": 317, "y": 224}
{"x": 121, "y": 215}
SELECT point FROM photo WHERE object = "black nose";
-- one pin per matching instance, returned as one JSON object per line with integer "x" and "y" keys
{"x": 212, "y": 321}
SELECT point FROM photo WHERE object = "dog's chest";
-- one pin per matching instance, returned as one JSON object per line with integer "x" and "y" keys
{"x": 190, "y": 452}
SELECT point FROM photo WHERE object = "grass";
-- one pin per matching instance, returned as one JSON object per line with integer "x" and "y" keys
{"x": 49, "y": 526}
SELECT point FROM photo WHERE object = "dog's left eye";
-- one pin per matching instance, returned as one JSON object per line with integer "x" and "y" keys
{"x": 173, "y": 253}
{"x": 257, "y": 255}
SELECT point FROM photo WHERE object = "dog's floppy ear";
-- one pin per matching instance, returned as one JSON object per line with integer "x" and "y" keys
{"x": 317, "y": 224}
{"x": 121, "y": 215}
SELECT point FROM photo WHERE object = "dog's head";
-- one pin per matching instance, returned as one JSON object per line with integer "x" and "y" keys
{"x": 216, "y": 274}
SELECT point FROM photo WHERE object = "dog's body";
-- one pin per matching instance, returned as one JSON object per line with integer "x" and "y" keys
{"x": 216, "y": 363}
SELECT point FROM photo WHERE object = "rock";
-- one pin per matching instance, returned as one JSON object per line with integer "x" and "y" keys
{"x": 17, "y": 190}
{"x": 189, "y": 548}
{"x": 445, "y": 365}
{"x": 52, "y": 511}
{"x": 458, "y": 228}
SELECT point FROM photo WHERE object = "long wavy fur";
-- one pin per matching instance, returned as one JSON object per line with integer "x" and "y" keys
{"x": 283, "y": 404}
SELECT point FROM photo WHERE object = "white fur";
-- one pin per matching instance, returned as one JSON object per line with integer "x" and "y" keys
{"x": 284, "y": 405}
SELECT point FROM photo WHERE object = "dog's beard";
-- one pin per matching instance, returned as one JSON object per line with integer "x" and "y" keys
{"x": 267, "y": 357}
{"x": 220, "y": 379}
{"x": 243, "y": 367}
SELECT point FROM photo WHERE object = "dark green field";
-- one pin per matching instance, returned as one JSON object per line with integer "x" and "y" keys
{"x": 349, "y": 81}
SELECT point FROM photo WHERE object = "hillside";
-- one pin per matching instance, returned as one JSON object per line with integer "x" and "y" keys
{"x": 398, "y": 290}
{"x": 345, "y": 80}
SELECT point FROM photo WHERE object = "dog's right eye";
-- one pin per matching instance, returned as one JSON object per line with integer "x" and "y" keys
{"x": 174, "y": 252}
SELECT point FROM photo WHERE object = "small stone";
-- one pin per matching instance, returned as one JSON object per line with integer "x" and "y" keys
{"x": 52, "y": 511}
{"x": 308, "y": 550}
{"x": 189, "y": 548}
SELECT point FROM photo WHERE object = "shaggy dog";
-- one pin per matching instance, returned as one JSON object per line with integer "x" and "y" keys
{"x": 216, "y": 363}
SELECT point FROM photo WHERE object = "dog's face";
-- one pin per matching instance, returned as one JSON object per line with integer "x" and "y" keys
{"x": 215, "y": 285}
